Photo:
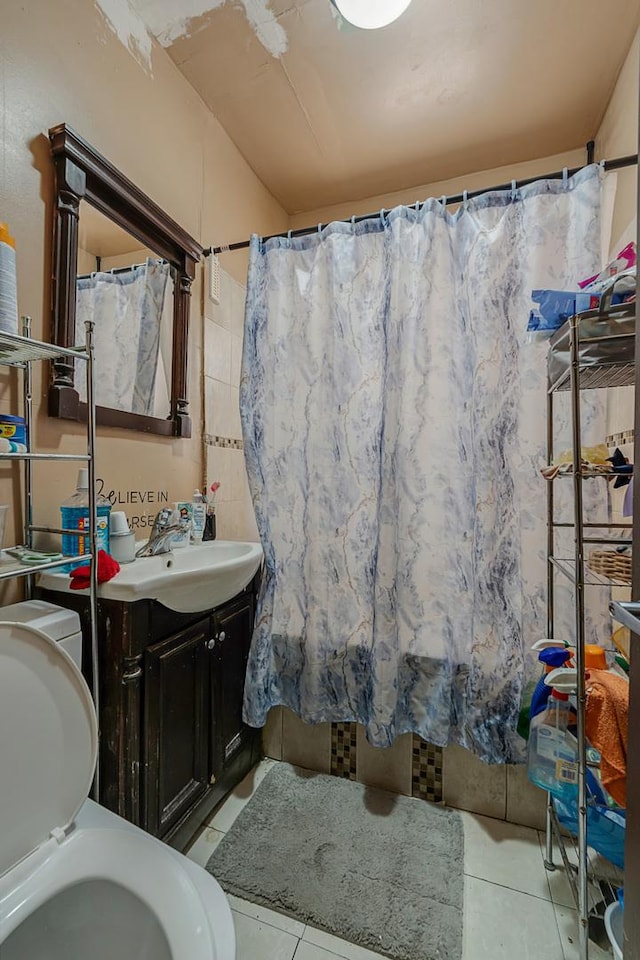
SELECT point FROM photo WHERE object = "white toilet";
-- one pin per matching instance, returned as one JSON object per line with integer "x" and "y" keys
{"x": 76, "y": 881}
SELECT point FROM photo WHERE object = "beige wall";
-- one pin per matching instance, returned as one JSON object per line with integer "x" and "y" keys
{"x": 618, "y": 137}
{"x": 61, "y": 62}
{"x": 474, "y": 181}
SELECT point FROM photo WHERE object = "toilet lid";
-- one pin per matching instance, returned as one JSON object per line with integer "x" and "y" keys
{"x": 48, "y": 740}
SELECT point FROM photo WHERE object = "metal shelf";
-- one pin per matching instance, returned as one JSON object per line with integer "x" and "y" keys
{"x": 81, "y": 457}
{"x": 605, "y": 350}
{"x": 600, "y": 376}
{"x": 589, "y": 578}
{"x": 16, "y": 351}
{"x": 604, "y": 878}
{"x": 589, "y": 475}
{"x": 16, "y": 569}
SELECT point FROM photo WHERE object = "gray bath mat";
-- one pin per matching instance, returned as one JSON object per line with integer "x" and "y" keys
{"x": 379, "y": 870}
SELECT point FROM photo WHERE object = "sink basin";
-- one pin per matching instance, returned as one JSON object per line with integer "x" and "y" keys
{"x": 194, "y": 578}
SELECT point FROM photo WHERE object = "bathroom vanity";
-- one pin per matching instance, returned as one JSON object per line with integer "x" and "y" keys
{"x": 172, "y": 739}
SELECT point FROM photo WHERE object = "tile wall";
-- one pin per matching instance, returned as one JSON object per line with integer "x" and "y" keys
{"x": 224, "y": 455}
{"x": 410, "y": 767}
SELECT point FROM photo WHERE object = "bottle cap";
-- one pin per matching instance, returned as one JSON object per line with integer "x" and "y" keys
{"x": 5, "y": 236}
{"x": 594, "y": 657}
{"x": 118, "y": 523}
{"x": 83, "y": 479}
{"x": 557, "y": 695}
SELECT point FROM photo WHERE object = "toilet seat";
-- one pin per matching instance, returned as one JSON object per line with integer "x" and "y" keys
{"x": 132, "y": 861}
{"x": 48, "y": 751}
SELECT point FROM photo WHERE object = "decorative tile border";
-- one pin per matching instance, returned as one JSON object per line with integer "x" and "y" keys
{"x": 426, "y": 770}
{"x": 343, "y": 750}
{"x": 231, "y": 442}
{"x": 618, "y": 439}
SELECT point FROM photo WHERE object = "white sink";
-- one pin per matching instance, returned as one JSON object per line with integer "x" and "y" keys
{"x": 187, "y": 580}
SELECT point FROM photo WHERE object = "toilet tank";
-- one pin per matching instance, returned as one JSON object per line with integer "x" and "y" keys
{"x": 56, "y": 622}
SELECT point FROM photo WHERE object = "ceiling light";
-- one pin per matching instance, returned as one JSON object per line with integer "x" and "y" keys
{"x": 371, "y": 14}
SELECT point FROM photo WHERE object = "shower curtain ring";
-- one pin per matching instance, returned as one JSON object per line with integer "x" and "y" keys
{"x": 464, "y": 197}
{"x": 443, "y": 202}
{"x": 289, "y": 236}
{"x": 417, "y": 206}
{"x": 514, "y": 189}
{"x": 319, "y": 228}
{"x": 353, "y": 220}
{"x": 565, "y": 175}
{"x": 382, "y": 219}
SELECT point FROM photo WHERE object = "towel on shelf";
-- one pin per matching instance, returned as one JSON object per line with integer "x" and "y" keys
{"x": 607, "y": 728}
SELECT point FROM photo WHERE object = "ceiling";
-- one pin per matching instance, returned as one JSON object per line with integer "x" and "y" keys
{"x": 326, "y": 113}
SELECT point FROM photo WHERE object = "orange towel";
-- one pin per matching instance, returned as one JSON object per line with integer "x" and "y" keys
{"x": 607, "y": 728}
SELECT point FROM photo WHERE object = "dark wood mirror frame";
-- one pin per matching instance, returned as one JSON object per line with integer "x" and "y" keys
{"x": 84, "y": 174}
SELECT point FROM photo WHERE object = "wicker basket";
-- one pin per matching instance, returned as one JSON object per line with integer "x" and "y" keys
{"x": 611, "y": 564}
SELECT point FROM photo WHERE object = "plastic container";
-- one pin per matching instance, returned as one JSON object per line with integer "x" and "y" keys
{"x": 613, "y": 924}
{"x": 182, "y": 515}
{"x": 122, "y": 541}
{"x": 8, "y": 282}
{"x": 13, "y": 428}
{"x": 75, "y": 516}
{"x": 198, "y": 517}
{"x": 552, "y": 753}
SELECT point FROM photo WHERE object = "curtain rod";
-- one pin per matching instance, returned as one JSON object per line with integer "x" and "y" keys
{"x": 617, "y": 164}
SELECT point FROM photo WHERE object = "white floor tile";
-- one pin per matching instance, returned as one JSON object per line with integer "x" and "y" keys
{"x": 264, "y": 915}
{"x": 204, "y": 845}
{"x": 501, "y": 924}
{"x": 333, "y": 946}
{"x": 224, "y": 816}
{"x": 261, "y": 941}
{"x": 309, "y": 951}
{"x": 504, "y": 853}
{"x": 568, "y": 926}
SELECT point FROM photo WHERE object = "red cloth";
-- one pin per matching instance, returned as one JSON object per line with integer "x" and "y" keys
{"x": 107, "y": 569}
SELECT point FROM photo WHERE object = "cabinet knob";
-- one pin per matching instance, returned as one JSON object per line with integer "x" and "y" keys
{"x": 221, "y": 635}
{"x": 211, "y": 643}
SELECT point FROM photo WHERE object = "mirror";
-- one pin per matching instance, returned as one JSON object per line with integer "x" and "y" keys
{"x": 120, "y": 260}
{"x": 128, "y": 291}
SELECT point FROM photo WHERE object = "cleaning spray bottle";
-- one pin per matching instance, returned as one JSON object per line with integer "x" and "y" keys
{"x": 552, "y": 760}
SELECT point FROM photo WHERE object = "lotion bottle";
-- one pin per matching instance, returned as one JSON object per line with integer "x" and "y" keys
{"x": 198, "y": 517}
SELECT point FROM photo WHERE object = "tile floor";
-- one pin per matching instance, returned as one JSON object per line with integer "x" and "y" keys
{"x": 513, "y": 907}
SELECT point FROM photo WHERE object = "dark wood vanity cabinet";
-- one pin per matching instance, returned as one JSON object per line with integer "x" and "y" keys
{"x": 176, "y": 721}
{"x": 172, "y": 740}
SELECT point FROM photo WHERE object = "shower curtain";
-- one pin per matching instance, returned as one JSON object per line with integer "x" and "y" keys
{"x": 127, "y": 308}
{"x": 394, "y": 426}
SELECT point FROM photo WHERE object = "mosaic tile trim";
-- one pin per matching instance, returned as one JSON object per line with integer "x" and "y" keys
{"x": 343, "y": 750}
{"x": 618, "y": 439}
{"x": 231, "y": 442}
{"x": 426, "y": 770}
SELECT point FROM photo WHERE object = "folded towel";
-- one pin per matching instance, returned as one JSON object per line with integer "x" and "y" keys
{"x": 107, "y": 569}
{"x": 607, "y": 729}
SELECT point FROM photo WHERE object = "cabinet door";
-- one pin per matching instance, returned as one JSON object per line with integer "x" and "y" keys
{"x": 176, "y": 729}
{"x": 232, "y": 631}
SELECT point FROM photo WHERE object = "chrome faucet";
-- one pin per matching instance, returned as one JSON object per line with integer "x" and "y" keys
{"x": 162, "y": 534}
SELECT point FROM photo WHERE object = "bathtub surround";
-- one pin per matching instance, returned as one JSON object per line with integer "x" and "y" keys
{"x": 223, "y": 444}
{"x": 359, "y": 855}
{"x": 390, "y": 408}
{"x": 411, "y": 767}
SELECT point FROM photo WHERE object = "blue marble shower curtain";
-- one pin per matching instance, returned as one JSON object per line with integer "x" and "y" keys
{"x": 394, "y": 423}
{"x": 127, "y": 308}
